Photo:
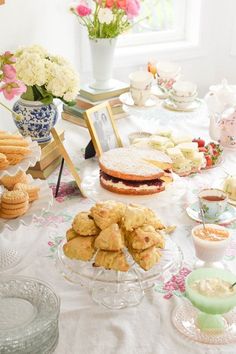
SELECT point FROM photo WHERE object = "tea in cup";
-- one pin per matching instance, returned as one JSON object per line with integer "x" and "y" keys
{"x": 213, "y": 202}
{"x": 140, "y": 86}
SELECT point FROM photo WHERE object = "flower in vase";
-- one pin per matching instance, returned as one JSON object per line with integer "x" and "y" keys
{"x": 83, "y": 10}
{"x": 10, "y": 89}
{"x": 9, "y": 72}
{"x": 46, "y": 76}
{"x": 121, "y": 4}
{"x": 105, "y": 16}
{"x": 132, "y": 8}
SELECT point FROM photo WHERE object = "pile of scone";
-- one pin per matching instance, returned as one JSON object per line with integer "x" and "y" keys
{"x": 111, "y": 231}
{"x": 13, "y": 149}
{"x": 17, "y": 195}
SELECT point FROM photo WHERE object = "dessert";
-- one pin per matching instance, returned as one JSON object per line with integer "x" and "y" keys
{"x": 135, "y": 232}
{"x": 33, "y": 191}
{"x": 13, "y": 149}
{"x": 10, "y": 181}
{"x": 210, "y": 244}
{"x": 136, "y": 172}
{"x": 14, "y": 204}
{"x": 4, "y": 163}
{"x": 230, "y": 187}
{"x": 213, "y": 287}
{"x": 84, "y": 224}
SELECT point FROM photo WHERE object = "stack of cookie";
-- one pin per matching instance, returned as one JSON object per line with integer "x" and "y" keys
{"x": 13, "y": 149}
{"x": 14, "y": 204}
{"x": 19, "y": 193}
{"x": 109, "y": 230}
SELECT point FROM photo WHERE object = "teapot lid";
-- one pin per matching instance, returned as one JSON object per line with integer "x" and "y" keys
{"x": 229, "y": 114}
{"x": 223, "y": 88}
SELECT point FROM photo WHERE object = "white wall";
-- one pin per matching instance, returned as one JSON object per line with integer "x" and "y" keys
{"x": 49, "y": 23}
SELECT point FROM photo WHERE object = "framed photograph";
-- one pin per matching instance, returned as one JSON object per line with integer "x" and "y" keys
{"x": 102, "y": 128}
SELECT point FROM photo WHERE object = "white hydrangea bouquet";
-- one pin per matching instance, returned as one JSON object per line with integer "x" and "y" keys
{"x": 46, "y": 76}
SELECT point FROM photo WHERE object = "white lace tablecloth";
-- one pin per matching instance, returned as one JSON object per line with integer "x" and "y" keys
{"x": 85, "y": 327}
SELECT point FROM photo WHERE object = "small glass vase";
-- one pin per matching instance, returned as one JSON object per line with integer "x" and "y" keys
{"x": 36, "y": 119}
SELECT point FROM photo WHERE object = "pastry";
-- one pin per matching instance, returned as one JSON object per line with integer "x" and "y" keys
{"x": 110, "y": 239}
{"x": 145, "y": 237}
{"x": 84, "y": 224}
{"x": 147, "y": 258}
{"x": 230, "y": 187}
{"x": 14, "y": 204}
{"x": 70, "y": 234}
{"x": 133, "y": 171}
{"x": 137, "y": 215}
{"x": 19, "y": 150}
{"x": 80, "y": 248}
{"x": 5, "y": 135}
{"x": 107, "y": 213}
{"x": 111, "y": 260}
{"x": 14, "y": 142}
{"x": 10, "y": 181}
{"x": 33, "y": 191}
{"x": 4, "y": 163}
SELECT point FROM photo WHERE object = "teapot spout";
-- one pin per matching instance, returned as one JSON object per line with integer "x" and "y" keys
{"x": 214, "y": 130}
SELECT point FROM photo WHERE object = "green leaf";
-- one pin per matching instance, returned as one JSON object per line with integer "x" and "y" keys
{"x": 47, "y": 100}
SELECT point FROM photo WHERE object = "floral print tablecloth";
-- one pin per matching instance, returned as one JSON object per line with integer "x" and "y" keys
{"x": 86, "y": 328}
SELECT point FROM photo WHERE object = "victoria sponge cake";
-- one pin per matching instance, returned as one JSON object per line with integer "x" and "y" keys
{"x": 134, "y": 171}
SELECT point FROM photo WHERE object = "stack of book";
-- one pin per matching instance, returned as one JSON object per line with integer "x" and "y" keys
{"x": 49, "y": 161}
{"x": 89, "y": 98}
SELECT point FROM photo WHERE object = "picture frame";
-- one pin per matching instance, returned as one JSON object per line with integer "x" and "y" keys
{"x": 102, "y": 128}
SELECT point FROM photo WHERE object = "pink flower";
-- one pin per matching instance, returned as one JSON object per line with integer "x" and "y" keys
{"x": 12, "y": 88}
{"x": 83, "y": 10}
{"x": 132, "y": 8}
{"x": 9, "y": 72}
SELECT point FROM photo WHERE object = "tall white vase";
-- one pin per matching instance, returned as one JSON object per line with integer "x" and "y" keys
{"x": 102, "y": 52}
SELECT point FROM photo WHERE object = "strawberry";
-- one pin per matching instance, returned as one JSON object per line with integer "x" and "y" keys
{"x": 202, "y": 149}
{"x": 209, "y": 161}
{"x": 200, "y": 142}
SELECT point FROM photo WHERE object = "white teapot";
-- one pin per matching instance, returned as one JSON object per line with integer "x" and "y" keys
{"x": 221, "y": 102}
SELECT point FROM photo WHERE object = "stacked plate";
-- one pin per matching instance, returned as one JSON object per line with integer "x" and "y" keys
{"x": 29, "y": 312}
{"x": 183, "y": 94}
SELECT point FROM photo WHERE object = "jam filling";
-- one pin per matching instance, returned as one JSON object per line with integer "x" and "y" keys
{"x": 154, "y": 182}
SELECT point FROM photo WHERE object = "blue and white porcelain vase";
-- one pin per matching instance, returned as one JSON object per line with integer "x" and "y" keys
{"x": 35, "y": 119}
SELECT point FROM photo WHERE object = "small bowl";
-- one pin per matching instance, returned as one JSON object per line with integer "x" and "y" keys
{"x": 138, "y": 135}
{"x": 210, "y": 251}
{"x": 184, "y": 88}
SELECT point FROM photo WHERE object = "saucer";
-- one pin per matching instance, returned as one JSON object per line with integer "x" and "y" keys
{"x": 127, "y": 99}
{"x": 173, "y": 107}
{"x": 158, "y": 92}
{"x": 226, "y": 217}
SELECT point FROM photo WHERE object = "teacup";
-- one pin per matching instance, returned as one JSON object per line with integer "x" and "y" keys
{"x": 213, "y": 202}
{"x": 140, "y": 86}
{"x": 167, "y": 74}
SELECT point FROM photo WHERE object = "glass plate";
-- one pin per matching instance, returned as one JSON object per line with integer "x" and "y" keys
{"x": 184, "y": 318}
{"x": 91, "y": 185}
{"x": 29, "y": 161}
{"x": 116, "y": 289}
{"x": 28, "y": 309}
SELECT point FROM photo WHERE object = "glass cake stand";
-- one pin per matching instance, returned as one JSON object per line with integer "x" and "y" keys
{"x": 114, "y": 289}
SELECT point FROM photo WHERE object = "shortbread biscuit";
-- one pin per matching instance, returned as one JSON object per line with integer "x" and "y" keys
{"x": 14, "y": 206}
{"x": 14, "y": 197}
{"x": 14, "y": 159}
{"x": 70, "y": 234}
{"x": 5, "y": 135}
{"x": 14, "y": 142}
{"x": 10, "y": 181}
{"x": 15, "y": 150}
{"x": 80, "y": 248}
{"x": 33, "y": 191}
{"x": 5, "y": 214}
{"x": 107, "y": 213}
{"x": 112, "y": 260}
{"x": 3, "y": 162}
{"x": 84, "y": 224}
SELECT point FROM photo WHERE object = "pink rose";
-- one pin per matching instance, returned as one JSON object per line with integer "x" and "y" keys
{"x": 132, "y": 8}
{"x": 83, "y": 10}
{"x": 12, "y": 88}
{"x": 9, "y": 72}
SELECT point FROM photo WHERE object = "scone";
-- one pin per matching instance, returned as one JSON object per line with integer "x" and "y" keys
{"x": 70, "y": 234}
{"x": 147, "y": 258}
{"x": 84, "y": 224}
{"x": 145, "y": 237}
{"x": 107, "y": 213}
{"x": 112, "y": 260}
{"x": 110, "y": 239}
{"x": 80, "y": 248}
